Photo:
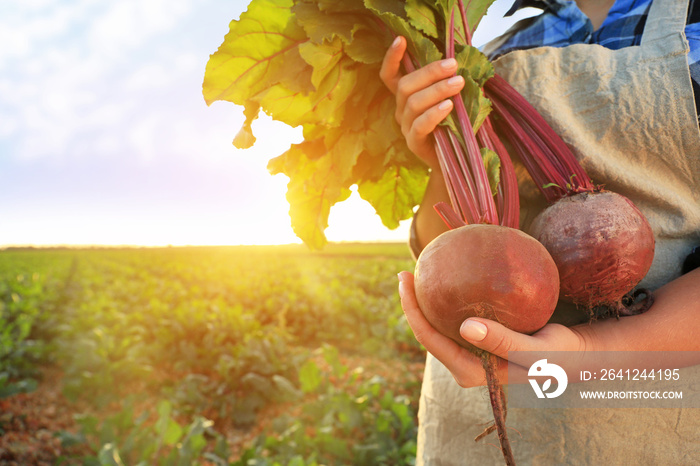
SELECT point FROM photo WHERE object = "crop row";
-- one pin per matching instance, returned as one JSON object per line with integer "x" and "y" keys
{"x": 218, "y": 335}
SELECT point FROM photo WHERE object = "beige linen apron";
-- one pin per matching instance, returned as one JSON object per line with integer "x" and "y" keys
{"x": 630, "y": 117}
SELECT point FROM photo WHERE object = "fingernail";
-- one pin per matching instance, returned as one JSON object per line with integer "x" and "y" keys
{"x": 396, "y": 42}
{"x": 401, "y": 285}
{"x": 449, "y": 63}
{"x": 444, "y": 105}
{"x": 473, "y": 330}
{"x": 455, "y": 80}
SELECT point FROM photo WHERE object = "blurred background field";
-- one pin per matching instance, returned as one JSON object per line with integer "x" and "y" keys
{"x": 249, "y": 355}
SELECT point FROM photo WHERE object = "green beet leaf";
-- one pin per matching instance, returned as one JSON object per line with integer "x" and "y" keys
{"x": 260, "y": 51}
{"x": 398, "y": 189}
{"x": 245, "y": 138}
{"x": 316, "y": 183}
{"x": 425, "y": 17}
{"x": 474, "y": 64}
{"x": 493, "y": 168}
{"x": 478, "y": 106}
{"x": 420, "y": 46}
{"x": 324, "y": 24}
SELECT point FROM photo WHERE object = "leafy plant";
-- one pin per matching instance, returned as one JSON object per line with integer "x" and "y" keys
{"x": 122, "y": 439}
{"x": 316, "y": 64}
{"x": 31, "y": 286}
{"x": 354, "y": 421}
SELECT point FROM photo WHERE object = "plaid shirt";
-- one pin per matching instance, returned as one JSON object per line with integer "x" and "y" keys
{"x": 562, "y": 23}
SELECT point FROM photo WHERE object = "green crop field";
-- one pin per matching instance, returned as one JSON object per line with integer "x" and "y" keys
{"x": 225, "y": 355}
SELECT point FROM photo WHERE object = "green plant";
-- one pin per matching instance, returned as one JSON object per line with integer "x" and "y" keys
{"x": 31, "y": 286}
{"x": 121, "y": 439}
{"x": 354, "y": 421}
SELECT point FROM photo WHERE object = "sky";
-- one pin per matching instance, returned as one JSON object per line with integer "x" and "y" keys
{"x": 105, "y": 138}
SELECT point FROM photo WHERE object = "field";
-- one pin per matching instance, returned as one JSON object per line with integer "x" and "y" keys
{"x": 221, "y": 356}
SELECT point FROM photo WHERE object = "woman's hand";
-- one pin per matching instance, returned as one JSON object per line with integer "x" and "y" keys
{"x": 490, "y": 336}
{"x": 422, "y": 98}
{"x": 669, "y": 329}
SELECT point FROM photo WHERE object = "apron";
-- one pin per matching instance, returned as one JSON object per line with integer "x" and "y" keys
{"x": 630, "y": 117}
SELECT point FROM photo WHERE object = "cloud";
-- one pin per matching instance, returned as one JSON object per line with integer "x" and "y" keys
{"x": 98, "y": 79}
{"x": 129, "y": 24}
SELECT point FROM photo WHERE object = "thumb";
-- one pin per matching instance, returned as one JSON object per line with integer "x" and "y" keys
{"x": 497, "y": 339}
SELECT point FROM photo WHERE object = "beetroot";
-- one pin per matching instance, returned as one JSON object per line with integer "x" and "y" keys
{"x": 603, "y": 247}
{"x": 489, "y": 271}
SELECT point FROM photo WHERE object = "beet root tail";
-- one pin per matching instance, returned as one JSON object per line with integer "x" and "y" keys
{"x": 498, "y": 405}
{"x": 629, "y": 305}
{"x": 632, "y": 307}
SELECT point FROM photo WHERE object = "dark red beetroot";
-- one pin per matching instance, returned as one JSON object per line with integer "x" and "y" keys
{"x": 602, "y": 244}
{"x": 488, "y": 271}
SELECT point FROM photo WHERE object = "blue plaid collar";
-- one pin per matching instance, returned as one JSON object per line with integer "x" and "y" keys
{"x": 562, "y": 23}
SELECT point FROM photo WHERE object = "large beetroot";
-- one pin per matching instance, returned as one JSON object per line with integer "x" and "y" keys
{"x": 489, "y": 271}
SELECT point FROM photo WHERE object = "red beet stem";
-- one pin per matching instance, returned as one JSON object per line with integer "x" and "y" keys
{"x": 545, "y": 155}
{"x": 472, "y": 163}
{"x": 507, "y": 197}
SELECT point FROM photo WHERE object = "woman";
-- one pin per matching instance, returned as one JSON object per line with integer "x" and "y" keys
{"x": 630, "y": 116}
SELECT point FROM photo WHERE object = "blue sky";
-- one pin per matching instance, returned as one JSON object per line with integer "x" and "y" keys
{"x": 105, "y": 137}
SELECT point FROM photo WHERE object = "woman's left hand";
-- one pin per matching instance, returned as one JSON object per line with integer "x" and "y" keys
{"x": 488, "y": 335}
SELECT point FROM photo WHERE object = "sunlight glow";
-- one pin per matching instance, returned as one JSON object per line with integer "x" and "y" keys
{"x": 119, "y": 148}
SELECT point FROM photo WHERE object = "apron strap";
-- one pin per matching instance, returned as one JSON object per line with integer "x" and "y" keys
{"x": 666, "y": 17}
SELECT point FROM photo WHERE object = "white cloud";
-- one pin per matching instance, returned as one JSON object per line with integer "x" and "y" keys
{"x": 78, "y": 70}
{"x": 129, "y": 24}
{"x": 8, "y": 126}
{"x": 148, "y": 76}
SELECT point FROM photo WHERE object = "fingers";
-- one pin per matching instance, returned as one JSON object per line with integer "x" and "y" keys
{"x": 423, "y": 102}
{"x": 441, "y": 346}
{"x": 428, "y": 85}
{"x": 422, "y": 98}
{"x": 495, "y": 338}
{"x": 391, "y": 66}
{"x": 518, "y": 347}
{"x": 424, "y": 111}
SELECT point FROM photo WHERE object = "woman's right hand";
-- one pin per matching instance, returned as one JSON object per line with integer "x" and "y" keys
{"x": 422, "y": 98}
